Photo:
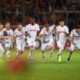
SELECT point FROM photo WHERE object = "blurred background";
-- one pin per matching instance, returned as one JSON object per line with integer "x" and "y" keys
{"x": 43, "y": 10}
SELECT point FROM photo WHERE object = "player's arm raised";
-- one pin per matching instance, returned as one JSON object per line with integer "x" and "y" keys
{"x": 67, "y": 32}
{"x": 71, "y": 38}
{"x": 54, "y": 31}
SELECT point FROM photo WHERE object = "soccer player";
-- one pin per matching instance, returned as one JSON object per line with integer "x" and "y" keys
{"x": 8, "y": 40}
{"x": 19, "y": 35}
{"x": 32, "y": 30}
{"x": 1, "y": 41}
{"x": 62, "y": 33}
{"x": 75, "y": 40}
{"x": 47, "y": 34}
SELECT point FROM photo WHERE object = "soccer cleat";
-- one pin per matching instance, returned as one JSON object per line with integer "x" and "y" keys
{"x": 68, "y": 59}
{"x": 59, "y": 58}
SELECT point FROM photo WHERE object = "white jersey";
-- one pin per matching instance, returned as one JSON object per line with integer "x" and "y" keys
{"x": 10, "y": 34}
{"x": 1, "y": 34}
{"x": 32, "y": 30}
{"x": 20, "y": 35}
{"x": 61, "y": 36}
{"x": 75, "y": 36}
{"x": 53, "y": 28}
{"x": 1, "y": 44}
{"x": 48, "y": 34}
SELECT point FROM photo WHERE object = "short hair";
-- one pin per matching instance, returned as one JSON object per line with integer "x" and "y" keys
{"x": 7, "y": 23}
{"x": 61, "y": 20}
{"x": 19, "y": 23}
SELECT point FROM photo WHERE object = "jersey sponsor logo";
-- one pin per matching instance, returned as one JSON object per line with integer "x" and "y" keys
{"x": 20, "y": 35}
{"x": 32, "y": 30}
{"x": 61, "y": 31}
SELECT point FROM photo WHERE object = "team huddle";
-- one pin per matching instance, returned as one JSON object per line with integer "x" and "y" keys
{"x": 48, "y": 34}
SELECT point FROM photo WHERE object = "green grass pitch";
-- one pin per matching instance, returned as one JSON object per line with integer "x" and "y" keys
{"x": 48, "y": 70}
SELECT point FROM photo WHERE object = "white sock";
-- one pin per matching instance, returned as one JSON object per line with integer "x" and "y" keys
{"x": 8, "y": 53}
{"x": 60, "y": 51}
{"x": 32, "y": 56}
{"x": 31, "y": 53}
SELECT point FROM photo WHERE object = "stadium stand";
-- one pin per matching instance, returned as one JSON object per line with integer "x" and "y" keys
{"x": 18, "y": 10}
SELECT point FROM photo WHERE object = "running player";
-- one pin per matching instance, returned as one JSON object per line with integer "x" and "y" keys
{"x": 31, "y": 32}
{"x": 8, "y": 41}
{"x": 1, "y": 41}
{"x": 62, "y": 33}
{"x": 19, "y": 35}
{"x": 75, "y": 40}
{"x": 47, "y": 34}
